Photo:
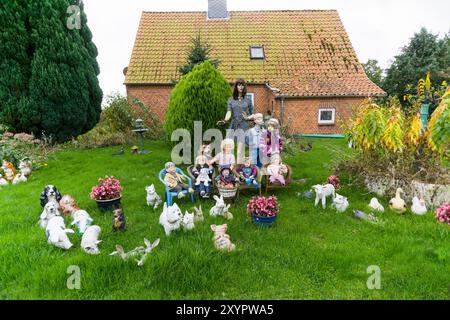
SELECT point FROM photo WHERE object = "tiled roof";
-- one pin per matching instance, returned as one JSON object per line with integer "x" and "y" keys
{"x": 308, "y": 53}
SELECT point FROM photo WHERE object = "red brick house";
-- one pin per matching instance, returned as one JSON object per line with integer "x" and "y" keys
{"x": 300, "y": 65}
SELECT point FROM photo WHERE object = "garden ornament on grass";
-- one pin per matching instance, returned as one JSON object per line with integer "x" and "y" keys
{"x": 198, "y": 214}
{"x": 221, "y": 239}
{"x": 68, "y": 205}
{"x": 138, "y": 252}
{"x": 188, "y": 221}
{"x": 3, "y": 181}
{"x": 50, "y": 193}
{"x": 170, "y": 218}
{"x": 175, "y": 181}
{"x": 119, "y": 223}
{"x": 19, "y": 178}
{"x": 153, "y": 198}
{"x": 9, "y": 170}
{"x": 418, "y": 206}
{"x": 247, "y": 173}
{"x": 203, "y": 176}
{"x": 50, "y": 211}
{"x": 398, "y": 204}
{"x": 376, "y": 205}
{"x": 89, "y": 241}
{"x": 363, "y": 216}
{"x": 221, "y": 209}
{"x": 340, "y": 203}
{"x": 25, "y": 168}
{"x": 56, "y": 233}
{"x": 322, "y": 192}
{"x": 82, "y": 220}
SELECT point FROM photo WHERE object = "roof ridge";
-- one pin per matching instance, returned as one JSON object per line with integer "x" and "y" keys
{"x": 269, "y": 10}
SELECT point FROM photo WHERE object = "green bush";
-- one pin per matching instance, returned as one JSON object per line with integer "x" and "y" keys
{"x": 201, "y": 95}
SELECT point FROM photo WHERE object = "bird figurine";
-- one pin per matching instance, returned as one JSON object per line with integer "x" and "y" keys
{"x": 418, "y": 206}
{"x": 398, "y": 204}
{"x": 376, "y": 205}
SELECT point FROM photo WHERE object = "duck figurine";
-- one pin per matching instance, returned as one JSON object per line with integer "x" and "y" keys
{"x": 398, "y": 204}
{"x": 418, "y": 206}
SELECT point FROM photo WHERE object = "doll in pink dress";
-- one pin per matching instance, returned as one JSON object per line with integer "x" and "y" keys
{"x": 271, "y": 142}
{"x": 276, "y": 170}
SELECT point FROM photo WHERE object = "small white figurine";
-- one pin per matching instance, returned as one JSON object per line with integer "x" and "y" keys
{"x": 56, "y": 233}
{"x": 198, "y": 214}
{"x": 376, "y": 205}
{"x": 221, "y": 209}
{"x": 50, "y": 211}
{"x": 322, "y": 192}
{"x": 25, "y": 168}
{"x": 171, "y": 218}
{"x": 188, "y": 221}
{"x": 340, "y": 203}
{"x": 221, "y": 239}
{"x": 152, "y": 197}
{"x": 418, "y": 206}
{"x": 89, "y": 241}
{"x": 138, "y": 251}
{"x": 82, "y": 220}
{"x": 3, "y": 181}
{"x": 398, "y": 204}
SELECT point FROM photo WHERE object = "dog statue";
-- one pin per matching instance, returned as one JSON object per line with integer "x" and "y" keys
{"x": 170, "y": 218}
{"x": 89, "y": 241}
{"x": 19, "y": 178}
{"x": 221, "y": 239}
{"x": 68, "y": 205}
{"x": 25, "y": 168}
{"x": 152, "y": 197}
{"x": 56, "y": 233}
{"x": 50, "y": 193}
{"x": 188, "y": 221}
{"x": 82, "y": 220}
{"x": 50, "y": 211}
{"x": 322, "y": 192}
{"x": 119, "y": 223}
{"x": 340, "y": 203}
{"x": 221, "y": 209}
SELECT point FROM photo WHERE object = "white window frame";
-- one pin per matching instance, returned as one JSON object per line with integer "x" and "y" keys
{"x": 327, "y": 122}
{"x": 252, "y": 96}
{"x": 257, "y": 47}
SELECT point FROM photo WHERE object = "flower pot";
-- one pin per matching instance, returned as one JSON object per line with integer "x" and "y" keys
{"x": 107, "y": 205}
{"x": 263, "y": 221}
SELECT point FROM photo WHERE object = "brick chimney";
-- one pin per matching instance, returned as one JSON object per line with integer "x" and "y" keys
{"x": 217, "y": 10}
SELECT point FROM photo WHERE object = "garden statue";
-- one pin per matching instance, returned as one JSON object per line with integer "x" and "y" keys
{"x": 322, "y": 192}
{"x": 82, "y": 220}
{"x": 56, "y": 233}
{"x": 119, "y": 223}
{"x": 50, "y": 211}
{"x": 205, "y": 150}
{"x": 89, "y": 241}
{"x": 276, "y": 170}
{"x": 198, "y": 215}
{"x": 254, "y": 138}
{"x": 170, "y": 218}
{"x": 225, "y": 158}
{"x": 203, "y": 174}
{"x": 138, "y": 252}
{"x": 376, "y": 205}
{"x": 418, "y": 206}
{"x": 152, "y": 197}
{"x": 221, "y": 238}
{"x": 226, "y": 179}
{"x": 3, "y": 181}
{"x": 340, "y": 203}
{"x": 221, "y": 209}
{"x": 188, "y": 221}
{"x": 398, "y": 204}
{"x": 9, "y": 170}
{"x": 239, "y": 108}
{"x": 50, "y": 194}
{"x": 271, "y": 142}
{"x": 247, "y": 173}
{"x": 25, "y": 168}
{"x": 175, "y": 181}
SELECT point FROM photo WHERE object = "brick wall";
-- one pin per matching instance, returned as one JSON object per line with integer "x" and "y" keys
{"x": 303, "y": 113}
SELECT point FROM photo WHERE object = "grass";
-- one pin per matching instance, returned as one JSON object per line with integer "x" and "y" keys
{"x": 309, "y": 254}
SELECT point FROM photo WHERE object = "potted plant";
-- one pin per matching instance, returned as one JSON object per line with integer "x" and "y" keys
{"x": 107, "y": 193}
{"x": 443, "y": 213}
{"x": 263, "y": 210}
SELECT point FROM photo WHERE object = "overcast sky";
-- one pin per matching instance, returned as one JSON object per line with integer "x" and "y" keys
{"x": 377, "y": 28}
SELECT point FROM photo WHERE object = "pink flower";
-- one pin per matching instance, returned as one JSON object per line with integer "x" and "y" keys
{"x": 108, "y": 188}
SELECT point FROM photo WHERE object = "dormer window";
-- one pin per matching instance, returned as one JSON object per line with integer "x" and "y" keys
{"x": 257, "y": 52}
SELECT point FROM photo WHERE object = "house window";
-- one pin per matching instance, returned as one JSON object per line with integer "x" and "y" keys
{"x": 327, "y": 116}
{"x": 251, "y": 96}
{"x": 257, "y": 52}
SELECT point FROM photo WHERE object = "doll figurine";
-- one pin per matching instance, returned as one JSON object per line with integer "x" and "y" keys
{"x": 226, "y": 179}
{"x": 271, "y": 141}
{"x": 226, "y": 157}
{"x": 276, "y": 170}
{"x": 9, "y": 169}
{"x": 254, "y": 138}
{"x": 203, "y": 176}
{"x": 175, "y": 181}
{"x": 247, "y": 173}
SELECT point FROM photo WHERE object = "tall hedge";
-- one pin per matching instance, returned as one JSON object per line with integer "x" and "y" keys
{"x": 201, "y": 95}
{"x": 60, "y": 94}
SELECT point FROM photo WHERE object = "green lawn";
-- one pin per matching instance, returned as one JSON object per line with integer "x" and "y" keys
{"x": 310, "y": 254}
